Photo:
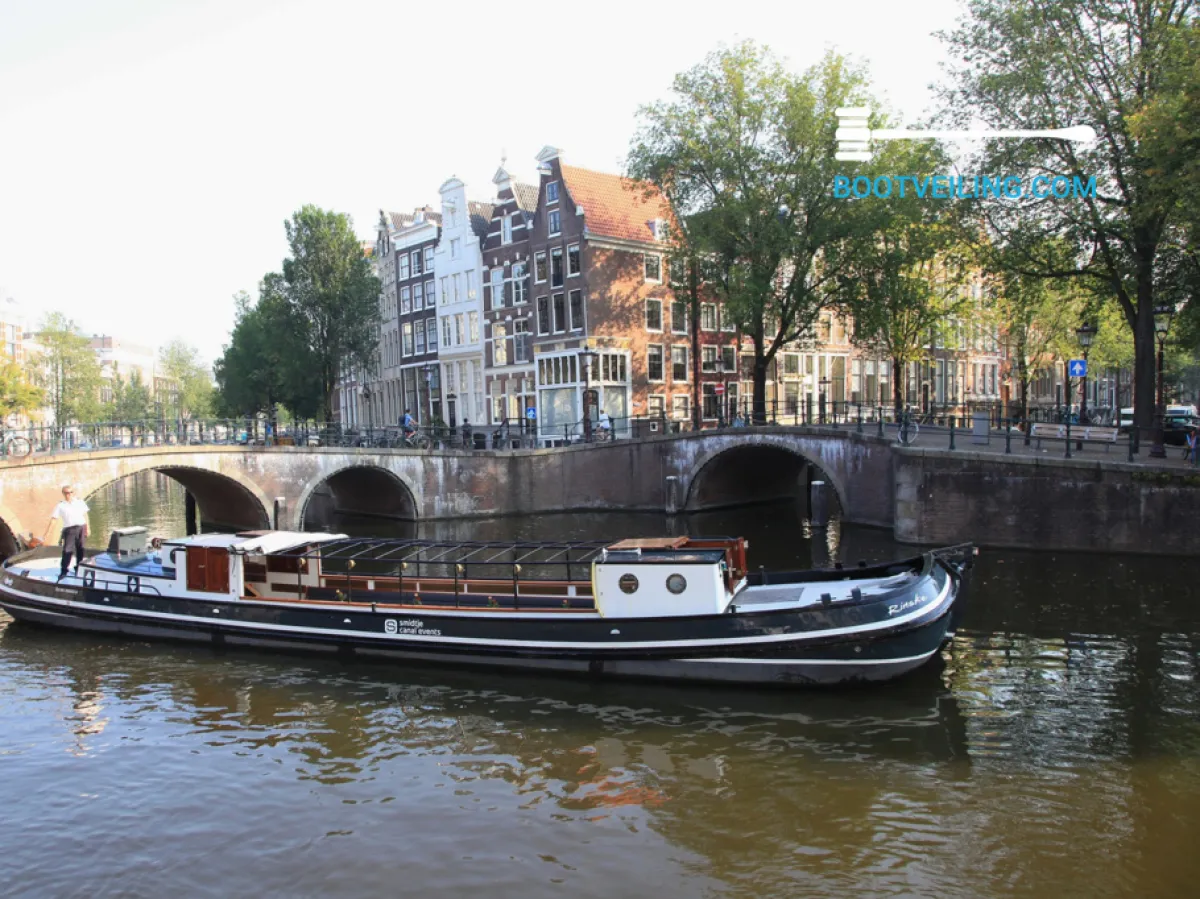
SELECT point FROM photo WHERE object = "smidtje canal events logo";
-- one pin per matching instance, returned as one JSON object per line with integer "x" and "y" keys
{"x": 854, "y": 138}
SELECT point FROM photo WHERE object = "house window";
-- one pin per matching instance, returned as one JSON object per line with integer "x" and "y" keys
{"x": 520, "y": 285}
{"x": 429, "y": 260}
{"x": 574, "y": 265}
{"x": 498, "y": 288}
{"x": 405, "y": 300}
{"x": 543, "y": 315}
{"x": 560, "y": 314}
{"x": 473, "y": 326}
{"x": 679, "y": 363}
{"x": 653, "y": 315}
{"x": 521, "y": 334}
{"x": 499, "y": 345}
{"x": 654, "y": 362}
{"x": 418, "y": 297}
{"x": 710, "y": 400}
{"x": 727, "y": 322}
{"x": 470, "y": 278}
{"x": 729, "y": 358}
{"x": 429, "y": 294}
{"x": 679, "y": 317}
{"x": 403, "y": 266}
{"x": 556, "y": 267}
{"x": 430, "y": 334}
{"x": 445, "y": 298}
{"x": 708, "y": 359}
{"x": 552, "y": 192}
{"x": 791, "y": 364}
{"x": 555, "y": 226}
{"x": 420, "y": 335}
{"x": 454, "y": 245}
{"x": 446, "y": 331}
{"x": 458, "y": 329}
{"x": 408, "y": 339}
{"x": 653, "y": 267}
{"x": 539, "y": 268}
{"x": 576, "y": 310}
{"x": 656, "y": 405}
{"x": 708, "y": 317}
{"x": 679, "y": 406}
{"x": 416, "y": 262}
{"x": 506, "y": 229}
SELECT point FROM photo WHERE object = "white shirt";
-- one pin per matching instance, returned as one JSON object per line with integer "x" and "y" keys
{"x": 604, "y": 422}
{"x": 71, "y": 513}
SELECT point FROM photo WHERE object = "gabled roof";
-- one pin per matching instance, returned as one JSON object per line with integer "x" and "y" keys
{"x": 526, "y": 194}
{"x": 615, "y": 206}
{"x": 481, "y": 217}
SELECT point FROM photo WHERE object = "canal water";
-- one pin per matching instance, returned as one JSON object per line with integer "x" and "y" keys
{"x": 1054, "y": 751}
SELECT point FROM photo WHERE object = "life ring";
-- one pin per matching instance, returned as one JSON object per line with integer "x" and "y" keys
{"x": 89, "y": 578}
{"x": 156, "y": 542}
{"x": 133, "y": 583}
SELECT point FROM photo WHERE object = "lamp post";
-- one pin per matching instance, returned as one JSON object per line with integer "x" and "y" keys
{"x": 366, "y": 395}
{"x": 585, "y": 359}
{"x": 1162, "y": 324}
{"x": 428, "y": 369}
{"x": 1086, "y": 333}
{"x": 824, "y": 382}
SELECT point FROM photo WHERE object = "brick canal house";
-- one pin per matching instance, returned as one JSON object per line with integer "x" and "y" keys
{"x": 458, "y": 269}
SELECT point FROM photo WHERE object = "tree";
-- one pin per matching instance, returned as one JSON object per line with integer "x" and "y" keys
{"x": 902, "y": 273}
{"x": 68, "y": 371}
{"x": 193, "y": 381}
{"x": 332, "y": 297}
{"x": 17, "y": 393}
{"x": 744, "y": 152}
{"x": 1104, "y": 63}
{"x": 131, "y": 398}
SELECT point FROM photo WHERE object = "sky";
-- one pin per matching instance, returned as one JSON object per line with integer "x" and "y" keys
{"x": 151, "y": 150}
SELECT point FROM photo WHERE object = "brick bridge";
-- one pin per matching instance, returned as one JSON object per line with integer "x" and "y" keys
{"x": 237, "y": 486}
{"x": 925, "y": 495}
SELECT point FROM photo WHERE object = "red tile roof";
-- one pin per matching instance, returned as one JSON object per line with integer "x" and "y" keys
{"x": 614, "y": 206}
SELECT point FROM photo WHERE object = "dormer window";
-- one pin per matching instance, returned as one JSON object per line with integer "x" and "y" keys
{"x": 552, "y": 192}
{"x": 658, "y": 228}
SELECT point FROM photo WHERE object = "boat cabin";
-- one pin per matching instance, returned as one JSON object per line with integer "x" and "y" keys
{"x": 654, "y": 577}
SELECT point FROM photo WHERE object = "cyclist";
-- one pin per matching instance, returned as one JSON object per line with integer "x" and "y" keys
{"x": 605, "y": 426}
{"x": 409, "y": 425}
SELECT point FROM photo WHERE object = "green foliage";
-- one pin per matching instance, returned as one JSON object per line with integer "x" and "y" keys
{"x": 321, "y": 313}
{"x": 17, "y": 393}
{"x": 67, "y": 371}
{"x": 744, "y": 151}
{"x": 131, "y": 398}
{"x": 1118, "y": 67}
{"x": 193, "y": 383}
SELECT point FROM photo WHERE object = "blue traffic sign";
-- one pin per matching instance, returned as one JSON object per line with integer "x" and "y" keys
{"x": 531, "y": 413}
{"x": 1077, "y": 368}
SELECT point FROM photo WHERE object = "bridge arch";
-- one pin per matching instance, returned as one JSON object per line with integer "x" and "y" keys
{"x": 10, "y": 526}
{"x": 223, "y": 498}
{"x": 363, "y": 488}
{"x": 737, "y": 472}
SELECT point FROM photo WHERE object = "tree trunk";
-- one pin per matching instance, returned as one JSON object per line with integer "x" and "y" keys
{"x": 897, "y": 386}
{"x": 1144, "y": 351}
{"x": 694, "y": 291}
{"x": 760, "y": 386}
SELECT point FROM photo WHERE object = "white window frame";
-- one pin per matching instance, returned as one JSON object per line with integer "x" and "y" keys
{"x": 662, "y": 363}
{"x": 574, "y": 250}
{"x": 646, "y": 257}
{"x": 552, "y": 187}
{"x": 646, "y": 315}
{"x": 554, "y": 216}
{"x": 506, "y": 229}
{"x": 541, "y": 254}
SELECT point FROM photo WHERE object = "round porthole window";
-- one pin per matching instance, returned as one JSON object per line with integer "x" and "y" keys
{"x": 677, "y": 583}
{"x": 628, "y": 583}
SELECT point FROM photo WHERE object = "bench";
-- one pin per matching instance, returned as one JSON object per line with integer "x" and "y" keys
{"x": 1084, "y": 434}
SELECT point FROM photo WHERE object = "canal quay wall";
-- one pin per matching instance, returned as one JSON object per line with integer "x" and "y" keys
{"x": 925, "y": 495}
{"x": 1045, "y": 503}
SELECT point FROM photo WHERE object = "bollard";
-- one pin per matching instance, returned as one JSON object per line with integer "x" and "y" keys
{"x": 952, "y": 431}
{"x": 1068, "y": 437}
{"x": 280, "y": 511}
{"x": 671, "y": 494}
{"x": 1131, "y": 449}
{"x": 860, "y": 418}
{"x": 817, "y": 504}
{"x": 1008, "y": 440}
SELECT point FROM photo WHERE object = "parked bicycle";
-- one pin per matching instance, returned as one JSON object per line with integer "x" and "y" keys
{"x": 909, "y": 429}
{"x": 15, "y": 445}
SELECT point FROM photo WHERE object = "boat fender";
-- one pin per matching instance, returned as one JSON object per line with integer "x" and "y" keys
{"x": 156, "y": 542}
{"x": 826, "y": 598}
{"x": 133, "y": 583}
{"x": 89, "y": 578}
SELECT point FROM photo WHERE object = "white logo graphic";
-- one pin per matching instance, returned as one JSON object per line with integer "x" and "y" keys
{"x": 854, "y": 136}
{"x": 390, "y": 626}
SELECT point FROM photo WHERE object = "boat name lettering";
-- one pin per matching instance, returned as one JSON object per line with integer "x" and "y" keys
{"x": 410, "y": 626}
{"x": 895, "y": 608}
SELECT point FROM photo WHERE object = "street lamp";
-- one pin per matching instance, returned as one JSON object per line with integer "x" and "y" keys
{"x": 1086, "y": 333}
{"x": 1162, "y": 324}
{"x": 428, "y": 369}
{"x": 824, "y": 382}
{"x": 585, "y": 360}
{"x": 366, "y": 395}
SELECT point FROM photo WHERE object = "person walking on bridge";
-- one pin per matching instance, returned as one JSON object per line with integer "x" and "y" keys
{"x": 73, "y": 513}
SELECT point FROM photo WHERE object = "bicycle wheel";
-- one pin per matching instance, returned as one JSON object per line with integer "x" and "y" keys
{"x": 19, "y": 447}
{"x": 907, "y": 434}
{"x": 423, "y": 443}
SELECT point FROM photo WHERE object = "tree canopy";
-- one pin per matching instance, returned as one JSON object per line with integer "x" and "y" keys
{"x": 18, "y": 394}
{"x": 67, "y": 370}
{"x": 193, "y": 381}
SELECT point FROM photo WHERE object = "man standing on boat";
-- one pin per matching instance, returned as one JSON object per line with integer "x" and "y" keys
{"x": 73, "y": 513}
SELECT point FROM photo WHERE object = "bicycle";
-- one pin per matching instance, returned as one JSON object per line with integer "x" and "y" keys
{"x": 416, "y": 441}
{"x": 909, "y": 429}
{"x": 15, "y": 445}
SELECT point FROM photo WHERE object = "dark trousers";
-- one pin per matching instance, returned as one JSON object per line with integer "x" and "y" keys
{"x": 72, "y": 542}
